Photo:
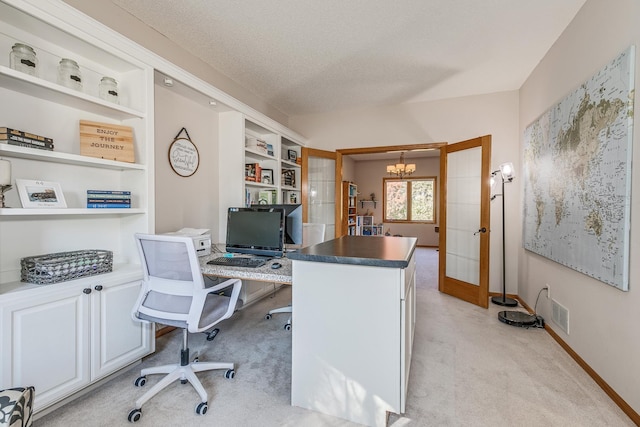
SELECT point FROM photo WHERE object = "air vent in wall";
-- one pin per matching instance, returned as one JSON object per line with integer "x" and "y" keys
{"x": 560, "y": 315}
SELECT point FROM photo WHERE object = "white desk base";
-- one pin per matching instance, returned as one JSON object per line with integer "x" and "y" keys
{"x": 352, "y": 338}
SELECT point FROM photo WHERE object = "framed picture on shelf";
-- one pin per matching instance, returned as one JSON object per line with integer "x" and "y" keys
{"x": 40, "y": 194}
{"x": 266, "y": 176}
{"x": 292, "y": 155}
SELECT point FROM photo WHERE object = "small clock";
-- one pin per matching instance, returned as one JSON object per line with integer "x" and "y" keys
{"x": 183, "y": 157}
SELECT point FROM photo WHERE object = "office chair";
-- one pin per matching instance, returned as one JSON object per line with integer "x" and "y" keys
{"x": 173, "y": 293}
{"x": 312, "y": 233}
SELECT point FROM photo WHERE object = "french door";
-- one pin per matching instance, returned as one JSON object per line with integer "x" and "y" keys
{"x": 464, "y": 220}
{"x": 319, "y": 188}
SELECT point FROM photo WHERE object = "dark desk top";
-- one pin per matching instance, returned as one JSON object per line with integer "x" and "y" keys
{"x": 378, "y": 251}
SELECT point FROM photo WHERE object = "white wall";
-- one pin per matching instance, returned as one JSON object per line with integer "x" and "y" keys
{"x": 185, "y": 201}
{"x": 603, "y": 320}
{"x": 369, "y": 174}
{"x": 450, "y": 120}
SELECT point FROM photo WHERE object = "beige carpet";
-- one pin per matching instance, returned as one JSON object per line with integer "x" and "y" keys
{"x": 468, "y": 369}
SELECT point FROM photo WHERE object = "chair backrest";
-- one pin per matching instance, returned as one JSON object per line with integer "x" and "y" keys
{"x": 312, "y": 233}
{"x": 173, "y": 290}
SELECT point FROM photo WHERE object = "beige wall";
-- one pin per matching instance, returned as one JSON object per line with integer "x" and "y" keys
{"x": 185, "y": 201}
{"x": 369, "y": 174}
{"x": 449, "y": 120}
{"x": 348, "y": 169}
{"x": 604, "y": 321}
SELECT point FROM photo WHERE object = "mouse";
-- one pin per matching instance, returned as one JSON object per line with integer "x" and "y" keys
{"x": 276, "y": 265}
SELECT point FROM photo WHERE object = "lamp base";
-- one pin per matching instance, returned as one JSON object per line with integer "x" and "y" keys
{"x": 518, "y": 318}
{"x": 502, "y": 300}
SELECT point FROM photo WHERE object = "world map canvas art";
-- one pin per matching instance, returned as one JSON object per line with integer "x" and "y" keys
{"x": 577, "y": 170}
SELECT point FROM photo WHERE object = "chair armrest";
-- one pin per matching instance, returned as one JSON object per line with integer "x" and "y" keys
{"x": 199, "y": 300}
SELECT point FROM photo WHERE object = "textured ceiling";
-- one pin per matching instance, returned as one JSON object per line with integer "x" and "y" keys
{"x": 314, "y": 56}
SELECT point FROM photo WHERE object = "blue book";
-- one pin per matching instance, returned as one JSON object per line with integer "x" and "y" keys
{"x": 109, "y": 196}
{"x": 107, "y": 200}
{"x": 108, "y": 205}
{"x": 108, "y": 192}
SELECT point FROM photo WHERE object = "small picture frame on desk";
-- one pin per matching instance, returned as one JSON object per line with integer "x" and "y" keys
{"x": 266, "y": 176}
{"x": 292, "y": 155}
{"x": 40, "y": 194}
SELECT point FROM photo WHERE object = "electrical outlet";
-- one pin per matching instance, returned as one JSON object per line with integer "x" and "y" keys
{"x": 548, "y": 291}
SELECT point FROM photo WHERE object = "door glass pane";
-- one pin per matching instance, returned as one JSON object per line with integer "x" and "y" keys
{"x": 463, "y": 215}
{"x": 322, "y": 190}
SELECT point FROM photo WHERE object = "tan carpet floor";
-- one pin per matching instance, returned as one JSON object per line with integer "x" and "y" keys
{"x": 468, "y": 369}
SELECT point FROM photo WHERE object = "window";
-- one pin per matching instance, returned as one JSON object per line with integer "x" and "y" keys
{"x": 410, "y": 199}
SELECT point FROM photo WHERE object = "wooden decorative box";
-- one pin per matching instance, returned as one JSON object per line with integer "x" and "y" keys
{"x": 107, "y": 141}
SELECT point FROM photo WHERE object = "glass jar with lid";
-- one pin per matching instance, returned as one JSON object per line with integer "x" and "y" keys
{"x": 23, "y": 58}
{"x": 69, "y": 74}
{"x": 108, "y": 89}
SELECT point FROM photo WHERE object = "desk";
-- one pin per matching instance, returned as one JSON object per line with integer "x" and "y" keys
{"x": 353, "y": 324}
{"x": 262, "y": 274}
{"x": 258, "y": 282}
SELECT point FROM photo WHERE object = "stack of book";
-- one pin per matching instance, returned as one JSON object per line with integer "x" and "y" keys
{"x": 25, "y": 139}
{"x": 108, "y": 199}
{"x": 252, "y": 172}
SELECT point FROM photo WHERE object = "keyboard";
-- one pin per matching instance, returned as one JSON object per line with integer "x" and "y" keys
{"x": 238, "y": 262}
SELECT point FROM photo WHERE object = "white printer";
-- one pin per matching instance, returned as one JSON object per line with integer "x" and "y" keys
{"x": 201, "y": 239}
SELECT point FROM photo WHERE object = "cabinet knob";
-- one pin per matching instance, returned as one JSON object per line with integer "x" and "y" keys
{"x": 98, "y": 287}
{"x": 86, "y": 291}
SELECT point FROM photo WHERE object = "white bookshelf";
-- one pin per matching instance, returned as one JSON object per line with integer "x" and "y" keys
{"x": 79, "y": 308}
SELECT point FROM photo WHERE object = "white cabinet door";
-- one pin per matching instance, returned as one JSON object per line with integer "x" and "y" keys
{"x": 407, "y": 327}
{"x": 254, "y": 290}
{"x": 116, "y": 339}
{"x": 45, "y": 342}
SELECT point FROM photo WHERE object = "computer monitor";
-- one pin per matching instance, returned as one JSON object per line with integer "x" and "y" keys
{"x": 293, "y": 222}
{"x": 256, "y": 231}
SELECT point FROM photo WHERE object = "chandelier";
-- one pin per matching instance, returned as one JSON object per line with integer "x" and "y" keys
{"x": 401, "y": 169}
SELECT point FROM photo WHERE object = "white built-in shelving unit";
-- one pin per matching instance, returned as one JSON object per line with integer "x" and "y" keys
{"x": 278, "y": 163}
{"x": 234, "y": 128}
{"x": 90, "y": 316}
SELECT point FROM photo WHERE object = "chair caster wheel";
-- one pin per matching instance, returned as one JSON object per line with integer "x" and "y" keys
{"x": 134, "y": 416}
{"x": 140, "y": 381}
{"x": 184, "y": 381}
{"x": 202, "y": 408}
{"x": 211, "y": 335}
{"x": 287, "y": 327}
{"x": 230, "y": 374}
{"x": 267, "y": 317}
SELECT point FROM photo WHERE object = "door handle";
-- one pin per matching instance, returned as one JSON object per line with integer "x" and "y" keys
{"x": 482, "y": 230}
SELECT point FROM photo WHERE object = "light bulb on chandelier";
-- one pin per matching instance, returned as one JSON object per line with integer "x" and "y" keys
{"x": 401, "y": 169}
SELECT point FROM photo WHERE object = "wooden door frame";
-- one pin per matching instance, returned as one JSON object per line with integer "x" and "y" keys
{"x": 453, "y": 287}
{"x": 369, "y": 150}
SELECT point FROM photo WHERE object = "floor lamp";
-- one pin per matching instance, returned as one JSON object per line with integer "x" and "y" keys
{"x": 506, "y": 173}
